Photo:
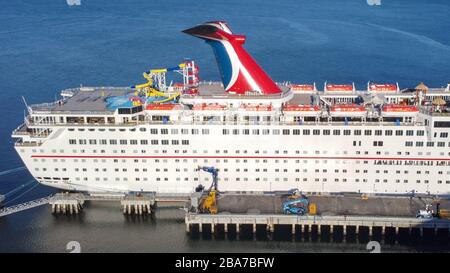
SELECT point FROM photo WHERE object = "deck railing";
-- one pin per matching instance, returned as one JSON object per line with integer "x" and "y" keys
{"x": 228, "y": 122}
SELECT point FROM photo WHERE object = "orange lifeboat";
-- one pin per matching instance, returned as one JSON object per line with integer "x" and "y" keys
{"x": 395, "y": 110}
{"x": 339, "y": 87}
{"x": 161, "y": 107}
{"x": 303, "y": 87}
{"x": 400, "y": 108}
{"x": 347, "y": 108}
{"x": 374, "y": 87}
{"x": 301, "y": 108}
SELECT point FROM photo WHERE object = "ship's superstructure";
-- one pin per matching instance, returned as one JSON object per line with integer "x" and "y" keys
{"x": 261, "y": 135}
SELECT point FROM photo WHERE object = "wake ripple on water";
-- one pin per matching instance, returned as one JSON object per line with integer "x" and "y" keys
{"x": 419, "y": 38}
{"x": 12, "y": 170}
{"x": 308, "y": 35}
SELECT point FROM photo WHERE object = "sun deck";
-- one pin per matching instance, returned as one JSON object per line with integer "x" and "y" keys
{"x": 216, "y": 89}
{"x": 94, "y": 100}
{"x": 82, "y": 100}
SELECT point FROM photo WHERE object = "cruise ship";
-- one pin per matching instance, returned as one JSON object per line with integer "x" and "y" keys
{"x": 263, "y": 136}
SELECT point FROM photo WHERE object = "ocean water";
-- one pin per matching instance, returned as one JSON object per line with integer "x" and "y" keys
{"x": 48, "y": 45}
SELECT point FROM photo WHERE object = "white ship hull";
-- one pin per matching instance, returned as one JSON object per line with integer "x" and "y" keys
{"x": 313, "y": 163}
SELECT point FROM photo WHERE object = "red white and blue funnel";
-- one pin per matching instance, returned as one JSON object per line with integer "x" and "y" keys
{"x": 239, "y": 71}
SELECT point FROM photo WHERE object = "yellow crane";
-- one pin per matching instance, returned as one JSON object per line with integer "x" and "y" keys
{"x": 209, "y": 203}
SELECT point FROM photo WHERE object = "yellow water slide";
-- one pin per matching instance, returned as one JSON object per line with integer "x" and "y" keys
{"x": 150, "y": 91}
{"x": 173, "y": 97}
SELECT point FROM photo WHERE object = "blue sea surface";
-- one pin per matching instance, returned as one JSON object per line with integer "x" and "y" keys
{"x": 48, "y": 45}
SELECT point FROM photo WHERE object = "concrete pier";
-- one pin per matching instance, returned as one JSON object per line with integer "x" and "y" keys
{"x": 306, "y": 223}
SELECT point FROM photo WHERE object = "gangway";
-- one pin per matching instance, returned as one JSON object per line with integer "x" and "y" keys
{"x": 25, "y": 206}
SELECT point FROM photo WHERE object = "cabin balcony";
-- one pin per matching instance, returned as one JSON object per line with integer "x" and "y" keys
{"x": 22, "y": 143}
{"x": 26, "y": 133}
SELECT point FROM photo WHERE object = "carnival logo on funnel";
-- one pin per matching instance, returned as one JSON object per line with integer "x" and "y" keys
{"x": 239, "y": 71}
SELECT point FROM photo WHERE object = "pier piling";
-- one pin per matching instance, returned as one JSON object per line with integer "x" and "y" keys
{"x": 138, "y": 205}
{"x": 66, "y": 203}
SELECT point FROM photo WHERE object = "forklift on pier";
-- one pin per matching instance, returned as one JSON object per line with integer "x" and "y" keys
{"x": 208, "y": 204}
{"x": 429, "y": 213}
{"x": 298, "y": 203}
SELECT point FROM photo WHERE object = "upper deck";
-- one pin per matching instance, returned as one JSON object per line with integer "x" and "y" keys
{"x": 94, "y": 100}
{"x": 214, "y": 93}
{"x": 91, "y": 107}
{"x": 81, "y": 100}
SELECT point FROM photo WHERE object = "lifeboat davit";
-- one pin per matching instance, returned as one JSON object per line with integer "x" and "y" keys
{"x": 382, "y": 88}
{"x": 347, "y": 110}
{"x": 393, "y": 110}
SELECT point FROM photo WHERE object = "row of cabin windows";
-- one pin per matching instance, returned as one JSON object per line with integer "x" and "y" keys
{"x": 165, "y": 131}
{"x": 153, "y": 131}
{"x": 407, "y": 153}
{"x": 126, "y": 142}
{"x": 237, "y": 179}
{"x": 428, "y": 144}
{"x": 265, "y": 161}
{"x": 224, "y": 151}
{"x": 326, "y": 132}
{"x": 419, "y": 172}
{"x": 305, "y": 161}
{"x": 376, "y": 143}
{"x": 187, "y": 142}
